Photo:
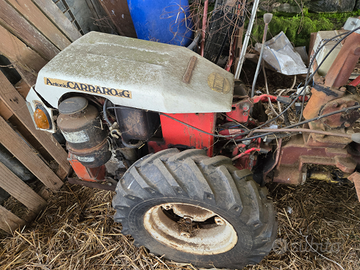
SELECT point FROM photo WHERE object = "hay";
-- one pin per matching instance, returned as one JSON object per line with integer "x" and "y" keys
{"x": 76, "y": 231}
{"x": 324, "y": 216}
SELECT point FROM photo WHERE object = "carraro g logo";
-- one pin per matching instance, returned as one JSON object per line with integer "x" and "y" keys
{"x": 88, "y": 88}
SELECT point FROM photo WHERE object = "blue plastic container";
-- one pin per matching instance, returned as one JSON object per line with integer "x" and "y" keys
{"x": 166, "y": 21}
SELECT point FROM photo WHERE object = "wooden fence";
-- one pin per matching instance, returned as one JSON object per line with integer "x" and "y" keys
{"x": 31, "y": 33}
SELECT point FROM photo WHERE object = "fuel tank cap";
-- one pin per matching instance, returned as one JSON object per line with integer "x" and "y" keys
{"x": 73, "y": 105}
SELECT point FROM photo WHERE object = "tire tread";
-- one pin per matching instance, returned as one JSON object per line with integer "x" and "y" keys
{"x": 214, "y": 181}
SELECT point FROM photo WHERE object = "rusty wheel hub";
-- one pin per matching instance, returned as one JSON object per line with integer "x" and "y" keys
{"x": 190, "y": 228}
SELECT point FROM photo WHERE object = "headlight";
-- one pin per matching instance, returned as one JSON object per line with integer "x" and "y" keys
{"x": 42, "y": 118}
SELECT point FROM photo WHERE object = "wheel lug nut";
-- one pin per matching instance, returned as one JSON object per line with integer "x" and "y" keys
{"x": 219, "y": 221}
{"x": 188, "y": 219}
{"x": 186, "y": 234}
{"x": 168, "y": 206}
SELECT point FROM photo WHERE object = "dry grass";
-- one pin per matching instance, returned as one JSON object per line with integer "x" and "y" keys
{"x": 76, "y": 231}
{"x": 326, "y": 216}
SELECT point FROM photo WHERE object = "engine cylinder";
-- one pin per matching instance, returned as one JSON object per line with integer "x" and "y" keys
{"x": 86, "y": 137}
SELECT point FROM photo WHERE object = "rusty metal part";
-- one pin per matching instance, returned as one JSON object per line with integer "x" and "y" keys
{"x": 340, "y": 120}
{"x": 295, "y": 155}
{"x": 355, "y": 178}
{"x": 345, "y": 62}
{"x": 107, "y": 184}
{"x": 326, "y": 98}
{"x": 320, "y": 140}
{"x": 189, "y": 70}
{"x": 320, "y": 96}
{"x": 340, "y": 123}
{"x": 188, "y": 235}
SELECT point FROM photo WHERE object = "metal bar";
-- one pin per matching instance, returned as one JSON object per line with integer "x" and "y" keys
{"x": 246, "y": 40}
{"x": 206, "y": 4}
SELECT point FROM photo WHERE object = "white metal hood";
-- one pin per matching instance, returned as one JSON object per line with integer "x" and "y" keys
{"x": 137, "y": 73}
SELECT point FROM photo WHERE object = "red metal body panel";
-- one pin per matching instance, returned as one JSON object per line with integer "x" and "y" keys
{"x": 240, "y": 111}
{"x": 178, "y": 134}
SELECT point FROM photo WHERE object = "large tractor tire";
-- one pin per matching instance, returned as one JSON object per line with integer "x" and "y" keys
{"x": 195, "y": 209}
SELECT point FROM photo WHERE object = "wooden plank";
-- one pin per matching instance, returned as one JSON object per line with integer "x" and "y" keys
{"x": 118, "y": 12}
{"x": 27, "y": 76}
{"x": 17, "y": 105}
{"x": 8, "y": 221}
{"x": 35, "y": 16}
{"x": 23, "y": 88}
{"x": 5, "y": 111}
{"x": 19, "y": 26}
{"x": 21, "y": 56}
{"x": 58, "y": 18}
{"x": 26, "y": 155}
{"x": 19, "y": 190}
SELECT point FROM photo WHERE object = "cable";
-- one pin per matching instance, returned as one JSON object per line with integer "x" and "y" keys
{"x": 105, "y": 114}
{"x": 262, "y": 135}
{"x": 267, "y": 92}
{"x": 299, "y": 124}
{"x": 234, "y": 120}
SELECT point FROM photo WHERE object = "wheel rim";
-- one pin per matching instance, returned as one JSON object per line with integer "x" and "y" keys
{"x": 189, "y": 228}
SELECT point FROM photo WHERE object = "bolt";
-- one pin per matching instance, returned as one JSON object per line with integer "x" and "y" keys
{"x": 219, "y": 221}
{"x": 167, "y": 206}
{"x": 186, "y": 234}
{"x": 188, "y": 219}
{"x": 245, "y": 107}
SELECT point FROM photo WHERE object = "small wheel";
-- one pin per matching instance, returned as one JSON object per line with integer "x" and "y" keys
{"x": 195, "y": 209}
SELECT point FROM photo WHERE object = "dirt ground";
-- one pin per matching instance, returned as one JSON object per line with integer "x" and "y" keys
{"x": 76, "y": 231}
